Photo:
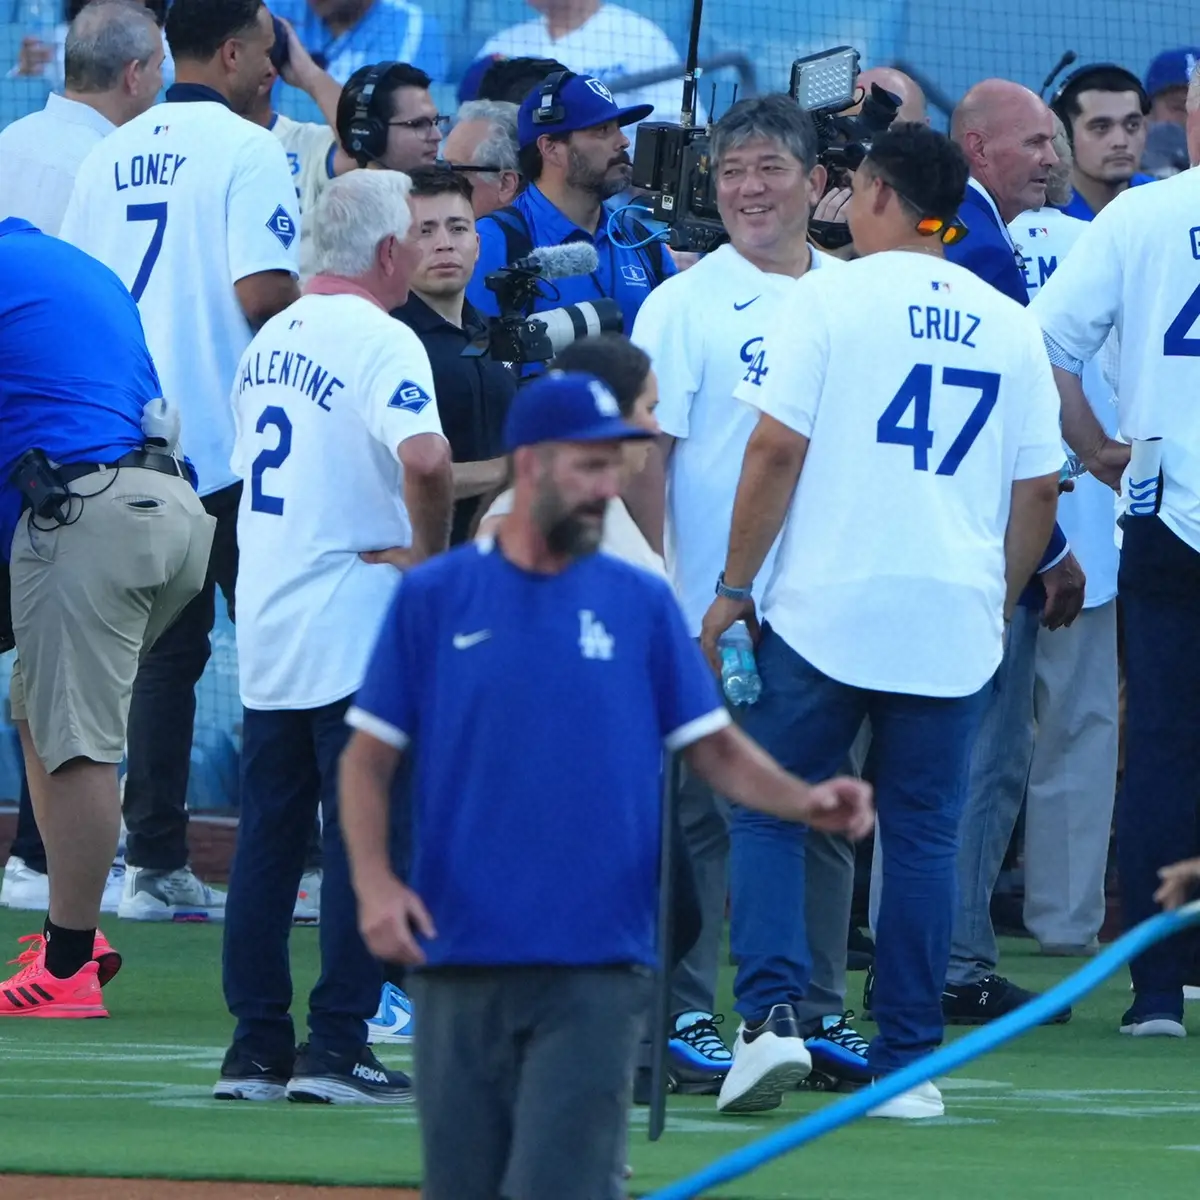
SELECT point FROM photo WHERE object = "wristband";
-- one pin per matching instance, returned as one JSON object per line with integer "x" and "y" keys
{"x": 732, "y": 593}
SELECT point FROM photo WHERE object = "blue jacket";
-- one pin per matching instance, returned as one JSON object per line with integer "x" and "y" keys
{"x": 987, "y": 251}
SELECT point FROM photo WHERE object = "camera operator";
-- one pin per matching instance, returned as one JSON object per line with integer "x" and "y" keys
{"x": 574, "y": 158}
{"x": 473, "y": 392}
{"x": 704, "y": 333}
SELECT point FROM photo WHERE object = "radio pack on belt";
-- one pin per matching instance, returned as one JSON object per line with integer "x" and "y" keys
{"x": 41, "y": 486}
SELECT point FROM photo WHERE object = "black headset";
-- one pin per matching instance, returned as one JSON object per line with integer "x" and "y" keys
{"x": 367, "y": 133}
{"x": 550, "y": 109}
{"x": 1073, "y": 81}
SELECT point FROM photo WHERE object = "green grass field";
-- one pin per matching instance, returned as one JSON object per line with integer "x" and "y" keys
{"x": 1070, "y": 1111}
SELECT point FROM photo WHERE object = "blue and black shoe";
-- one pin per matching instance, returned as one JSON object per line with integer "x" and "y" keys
{"x": 697, "y": 1056}
{"x": 839, "y": 1056}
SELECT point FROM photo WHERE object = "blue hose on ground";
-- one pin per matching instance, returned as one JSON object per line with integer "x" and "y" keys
{"x": 948, "y": 1058}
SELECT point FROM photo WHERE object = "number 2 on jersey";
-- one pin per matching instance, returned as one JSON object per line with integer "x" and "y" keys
{"x": 916, "y": 392}
{"x": 158, "y": 214}
{"x": 273, "y": 417}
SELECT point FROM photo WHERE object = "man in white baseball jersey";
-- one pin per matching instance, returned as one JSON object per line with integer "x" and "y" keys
{"x": 347, "y": 478}
{"x": 703, "y": 330}
{"x": 1137, "y": 268}
{"x": 194, "y": 209}
{"x": 916, "y": 489}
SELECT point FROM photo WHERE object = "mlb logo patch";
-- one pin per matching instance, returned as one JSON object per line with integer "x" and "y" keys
{"x": 161, "y": 128}
{"x": 632, "y": 273}
{"x": 410, "y": 396}
{"x": 600, "y": 90}
{"x": 1041, "y": 231}
{"x": 282, "y": 226}
{"x": 939, "y": 287}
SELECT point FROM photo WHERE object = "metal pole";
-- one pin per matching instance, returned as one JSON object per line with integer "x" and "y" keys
{"x": 660, "y": 1014}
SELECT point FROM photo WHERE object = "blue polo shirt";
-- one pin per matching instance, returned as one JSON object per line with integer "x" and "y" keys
{"x": 624, "y": 275}
{"x": 75, "y": 372}
{"x": 537, "y": 708}
{"x": 1079, "y": 207}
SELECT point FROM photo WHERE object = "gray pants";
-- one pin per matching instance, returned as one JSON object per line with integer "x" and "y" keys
{"x": 1072, "y": 780}
{"x": 829, "y": 894}
{"x": 524, "y": 1077}
{"x": 999, "y": 771}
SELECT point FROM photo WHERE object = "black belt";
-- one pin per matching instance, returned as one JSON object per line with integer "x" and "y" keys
{"x": 150, "y": 461}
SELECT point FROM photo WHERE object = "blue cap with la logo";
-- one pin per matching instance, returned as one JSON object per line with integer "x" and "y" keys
{"x": 563, "y": 406}
{"x": 565, "y": 102}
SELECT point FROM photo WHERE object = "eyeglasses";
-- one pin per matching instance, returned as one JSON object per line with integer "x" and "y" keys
{"x": 424, "y": 125}
{"x": 469, "y": 168}
{"x": 951, "y": 231}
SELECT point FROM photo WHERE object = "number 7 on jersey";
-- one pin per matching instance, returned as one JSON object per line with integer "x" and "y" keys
{"x": 158, "y": 214}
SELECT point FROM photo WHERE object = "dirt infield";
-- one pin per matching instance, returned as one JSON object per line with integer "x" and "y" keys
{"x": 65, "y": 1187}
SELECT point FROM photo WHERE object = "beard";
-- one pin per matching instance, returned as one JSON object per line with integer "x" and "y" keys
{"x": 567, "y": 531}
{"x": 601, "y": 183}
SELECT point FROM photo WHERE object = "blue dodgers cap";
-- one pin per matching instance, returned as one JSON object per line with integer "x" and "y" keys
{"x": 1172, "y": 68}
{"x": 584, "y": 102}
{"x": 565, "y": 407}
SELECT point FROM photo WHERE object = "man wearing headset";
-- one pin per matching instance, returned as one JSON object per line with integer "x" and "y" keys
{"x": 1104, "y": 109}
{"x": 575, "y": 157}
{"x": 386, "y": 119}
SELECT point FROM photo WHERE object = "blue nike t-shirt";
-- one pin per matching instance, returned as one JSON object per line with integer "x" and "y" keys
{"x": 537, "y": 708}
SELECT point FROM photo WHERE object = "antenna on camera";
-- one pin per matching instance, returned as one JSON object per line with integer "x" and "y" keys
{"x": 687, "y": 118}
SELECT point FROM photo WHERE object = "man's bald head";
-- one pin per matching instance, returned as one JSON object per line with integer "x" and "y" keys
{"x": 1005, "y": 130}
{"x": 912, "y": 99}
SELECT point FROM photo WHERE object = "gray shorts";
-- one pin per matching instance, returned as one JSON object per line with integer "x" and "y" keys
{"x": 524, "y": 1077}
{"x": 90, "y": 598}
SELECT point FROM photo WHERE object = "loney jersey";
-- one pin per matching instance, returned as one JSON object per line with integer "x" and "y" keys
{"x": 704, "y": 331}
{"x": 925, "y": 394}
{"x": 325, "y": 395}
{"x": 1136, "y": 269}
{"x": 181, "y": 203}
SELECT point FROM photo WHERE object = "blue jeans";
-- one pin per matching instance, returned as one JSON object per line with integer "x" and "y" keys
{"x": 808, "y": 721}
{"x": 1156, "y": 809}
{"x": 289, "y": 767}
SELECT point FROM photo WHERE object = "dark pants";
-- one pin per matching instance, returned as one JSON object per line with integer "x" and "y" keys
{"x": 921, "y": 749}
{"x": 1157, "y": 807}
{"x": 524, "y": 1078}
{"x": 162, "y": 713}
{"x": 289, "y": 767}
{"x": 163, "y": 709}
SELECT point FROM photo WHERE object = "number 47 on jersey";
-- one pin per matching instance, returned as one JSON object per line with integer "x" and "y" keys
{"x": 916, "y": 392}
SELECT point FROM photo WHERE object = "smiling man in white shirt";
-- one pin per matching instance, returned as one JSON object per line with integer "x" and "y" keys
{"x": 114, "y": 62}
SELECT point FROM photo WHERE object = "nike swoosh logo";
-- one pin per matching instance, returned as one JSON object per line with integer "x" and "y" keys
{"x": 738, "y": 307}
{"x": 464, "y": 641}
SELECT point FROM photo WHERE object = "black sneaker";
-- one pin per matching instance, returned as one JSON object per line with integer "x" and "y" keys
{"x": 246, "y": 1076}
{"x": 839, "y": 1057}
{"x": 643, "y": 1085}
{"x": 359, "y": 1078}
{"x": 992, "y": 997}
{"x": 699, "y": 1058}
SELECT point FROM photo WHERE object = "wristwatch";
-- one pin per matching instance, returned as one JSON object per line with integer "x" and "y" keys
{"x": 732, "y": 593}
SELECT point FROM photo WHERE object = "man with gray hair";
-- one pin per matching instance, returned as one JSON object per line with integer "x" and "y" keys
{"x": 347, "y": 484}
{"x": 703, "y": 330}
{"x": 483, "y": 143}
{"x": 114, "y": 63}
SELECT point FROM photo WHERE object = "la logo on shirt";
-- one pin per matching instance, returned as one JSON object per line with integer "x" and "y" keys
{"x": 594, "y": 640}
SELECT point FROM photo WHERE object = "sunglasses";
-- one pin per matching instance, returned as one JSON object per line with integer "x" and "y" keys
{"x": 467, "y": 169}
{"x": 950, "y": 231}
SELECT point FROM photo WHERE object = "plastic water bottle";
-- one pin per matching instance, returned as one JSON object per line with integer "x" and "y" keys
{"x": 739, "y": 671}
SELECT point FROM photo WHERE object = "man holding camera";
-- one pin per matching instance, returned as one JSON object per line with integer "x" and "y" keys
{"x": 574, "y": 157}
{"x": 704, "y": 333}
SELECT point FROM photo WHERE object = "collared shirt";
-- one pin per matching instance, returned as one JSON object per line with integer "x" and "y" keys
{"x": 1079, "y": 207}
{"x": 624, "y": 274}
{"x": 75, "y": 373}
{"x": 473, "y": 394}
{"x": 40, "y": 155}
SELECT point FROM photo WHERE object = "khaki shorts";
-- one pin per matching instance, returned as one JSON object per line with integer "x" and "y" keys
{"x": 90, "y": 598}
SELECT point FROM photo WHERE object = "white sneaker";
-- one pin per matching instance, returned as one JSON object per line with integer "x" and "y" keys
{"x": 23, "y": 887}
{"x": 1154, "y": 1025}
{"x": 392, "y": 1024}
{"x": 919, "y": 1104}
{"x": 308, "y": 900}
{"x": 114, "y": 886}
{"x": 169, "y": 896}
{"x": 767, "y": 1062}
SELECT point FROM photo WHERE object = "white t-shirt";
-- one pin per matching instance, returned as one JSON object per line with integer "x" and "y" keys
{"x": 310, "y": 149}
{"x": 614, "y": 41}
{"x": 324, "y": 396}
{"x": 890, "y": 574}
{"x": 704, "y": 331}
{"x": 1088, "y": 515}
{"x": 1136, "y": 269}
{"x": 40, "y": 155}
{"x": 181, "y": 203}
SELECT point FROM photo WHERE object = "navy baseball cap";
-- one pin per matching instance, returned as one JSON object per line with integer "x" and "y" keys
{"x": 584, "y": 101}
{"x": 563, "y": 406}
{"x": 1172, "y": 68}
